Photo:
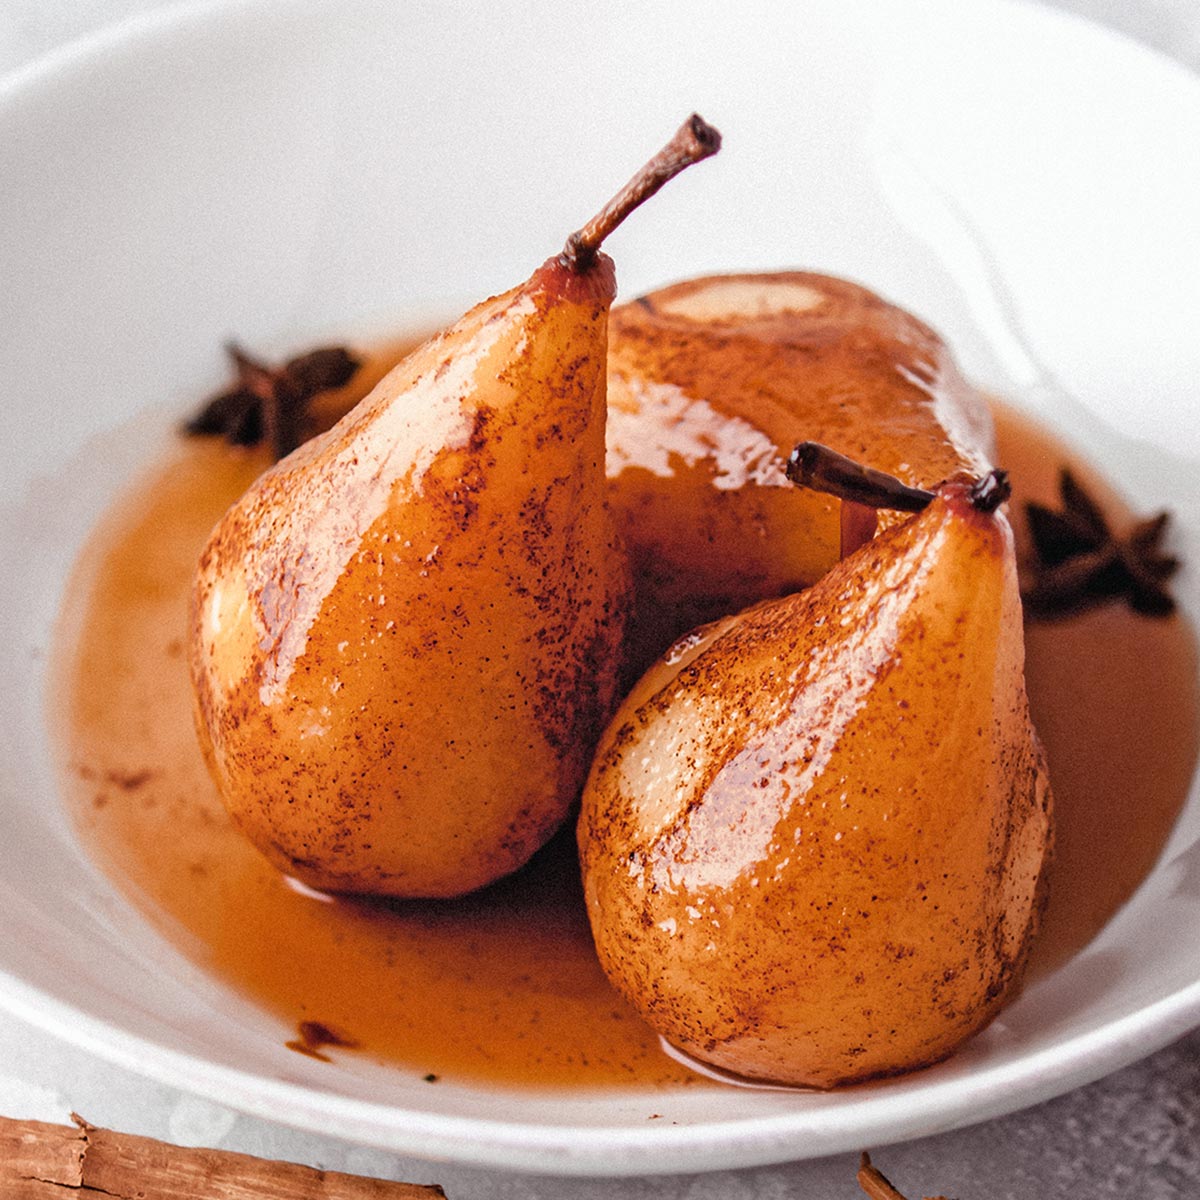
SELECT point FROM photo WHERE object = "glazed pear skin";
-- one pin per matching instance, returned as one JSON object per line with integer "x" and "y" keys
{"x": 403, "y": 637}
{"x": 713, "y": 381}
{"x": 815, "y": 836}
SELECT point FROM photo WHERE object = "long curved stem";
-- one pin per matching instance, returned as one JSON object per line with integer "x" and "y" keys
{"x": 694, "y": 141}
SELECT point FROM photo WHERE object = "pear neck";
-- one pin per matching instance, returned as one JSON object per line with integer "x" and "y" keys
{"x": 560, "y": 282}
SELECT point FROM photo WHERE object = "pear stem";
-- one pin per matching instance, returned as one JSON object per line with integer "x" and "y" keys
{"x": 988, "y": 493}
{"x": 815, "y": 466}
{"x": 694, "y": 140}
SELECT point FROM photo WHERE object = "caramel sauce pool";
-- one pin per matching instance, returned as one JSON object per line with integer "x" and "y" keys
{"x": 1116, "y": 700}
{"x": 504, "y": 986}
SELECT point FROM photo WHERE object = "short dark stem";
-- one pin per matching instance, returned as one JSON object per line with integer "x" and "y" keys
{"x": 693, "y": 141}
{"x": 815, "y": 466}
{"x": 988, "y": 493}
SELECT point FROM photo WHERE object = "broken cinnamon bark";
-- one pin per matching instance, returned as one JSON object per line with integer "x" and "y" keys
{"x": 877, "y": 1185}
{"x": 40, "y": 1161}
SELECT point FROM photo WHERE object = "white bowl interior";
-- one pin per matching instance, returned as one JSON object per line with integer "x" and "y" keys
{"x": 286, "y": 171}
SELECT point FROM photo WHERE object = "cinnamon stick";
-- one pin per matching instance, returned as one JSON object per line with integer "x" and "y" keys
{"x": 877, "y": 1185}
{"x": 39, "y": 1161}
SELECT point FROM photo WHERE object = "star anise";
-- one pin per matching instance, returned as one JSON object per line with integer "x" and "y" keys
{"x": 1080, "y": 561}
{"x": 269, "y": 403}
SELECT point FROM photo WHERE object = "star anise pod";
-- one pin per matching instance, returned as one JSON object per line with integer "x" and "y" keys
{"x": 269, "y": 403}
{"x": 1080, "y": 561}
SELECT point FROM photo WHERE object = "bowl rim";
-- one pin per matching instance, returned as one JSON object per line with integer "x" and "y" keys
{"x": 574, "y": 1148}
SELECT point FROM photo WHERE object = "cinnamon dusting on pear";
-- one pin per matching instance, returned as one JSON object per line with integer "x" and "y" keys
{"x": 364, "y": 587}
{"x": 831, "y": 806}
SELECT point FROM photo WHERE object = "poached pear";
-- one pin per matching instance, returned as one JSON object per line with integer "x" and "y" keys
{"x": 815, "y": 835}
{"x": 404, "y": 636}
{"x": 711, "y": 382}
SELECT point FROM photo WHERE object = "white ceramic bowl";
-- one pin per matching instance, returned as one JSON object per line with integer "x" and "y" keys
{"x": 285, "y": 170}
